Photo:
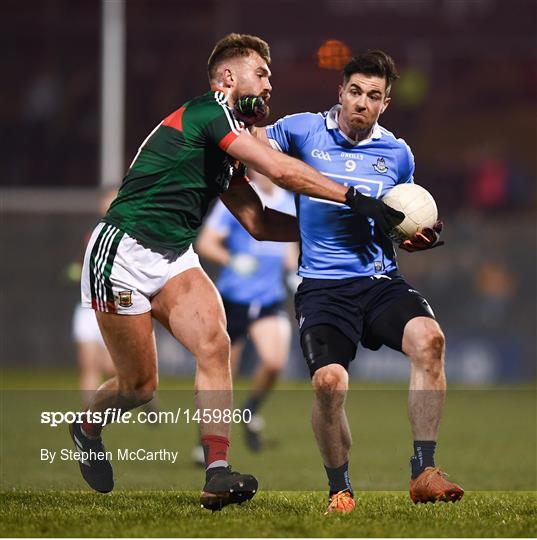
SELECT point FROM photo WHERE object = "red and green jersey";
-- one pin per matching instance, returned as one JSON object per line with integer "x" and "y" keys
{"x": 179, "y": 169}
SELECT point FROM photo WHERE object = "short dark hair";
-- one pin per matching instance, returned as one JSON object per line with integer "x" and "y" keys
{"x": 234, "y": 45}
{"x": 373, "y": 62}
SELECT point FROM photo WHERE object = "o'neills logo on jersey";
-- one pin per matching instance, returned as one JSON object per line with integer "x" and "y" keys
{"x": 125, "y": 298}
{"x": 380, "y": 166}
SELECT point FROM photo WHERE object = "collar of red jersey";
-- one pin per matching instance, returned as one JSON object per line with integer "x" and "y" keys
{"x": 332, "y": 123}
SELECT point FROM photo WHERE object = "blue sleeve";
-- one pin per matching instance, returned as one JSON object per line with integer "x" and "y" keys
{"x": 405, "y": 159}
{"x": 220, "y": 219}
{"x": 289, "y": 133}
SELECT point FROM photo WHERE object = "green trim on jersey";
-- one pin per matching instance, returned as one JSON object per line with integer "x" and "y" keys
{"x": 179, "y": 169}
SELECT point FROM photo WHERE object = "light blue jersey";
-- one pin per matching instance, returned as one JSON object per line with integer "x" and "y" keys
{"x": 262, "y": 278}
{"x": 336, "y": 243}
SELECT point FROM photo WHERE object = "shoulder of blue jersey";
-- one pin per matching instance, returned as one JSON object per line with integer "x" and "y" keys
{"x": 305, "y": 115}
{"x": 301, "y": 122}
{"x": 396, "y": 141}
{"x": 294, "y": 127}
{"x": 400, "y": 146}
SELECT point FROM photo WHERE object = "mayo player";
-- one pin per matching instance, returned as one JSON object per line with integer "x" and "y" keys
{"x": 94, "y": 360}
{"x": 351, "y": 290}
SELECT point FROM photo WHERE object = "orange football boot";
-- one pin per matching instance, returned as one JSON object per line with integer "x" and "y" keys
{"x": 341, "y": 502}
{"x": 431, "y": 486}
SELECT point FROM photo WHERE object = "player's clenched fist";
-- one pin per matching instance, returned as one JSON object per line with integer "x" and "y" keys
{"x": 386, "y": 217}
{"x": 250, "y": 109}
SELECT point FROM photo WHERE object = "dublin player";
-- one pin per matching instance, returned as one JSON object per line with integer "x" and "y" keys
{"x": 351, "y": 290}
{"x": 140, "y": 263}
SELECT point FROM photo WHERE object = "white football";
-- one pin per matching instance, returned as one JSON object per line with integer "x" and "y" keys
{"x": 418, "y": 206}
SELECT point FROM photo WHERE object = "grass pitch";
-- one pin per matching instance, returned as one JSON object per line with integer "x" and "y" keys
{"x": 487, "y": 444}
{"x": 279, "y": 514}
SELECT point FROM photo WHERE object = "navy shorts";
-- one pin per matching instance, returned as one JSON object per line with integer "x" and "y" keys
{"x": 241, "y": 316}
{"x": 370, "y": 310}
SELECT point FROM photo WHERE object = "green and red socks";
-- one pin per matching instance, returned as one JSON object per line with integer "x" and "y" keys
{"x": 215, "y": 448}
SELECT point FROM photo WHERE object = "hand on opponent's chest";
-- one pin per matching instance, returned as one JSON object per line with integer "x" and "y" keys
{"x": 372, "y": 174}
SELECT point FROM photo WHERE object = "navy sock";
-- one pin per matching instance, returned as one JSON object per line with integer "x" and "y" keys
{"x": 338, "y": 479}
{"x": 253, "y": 403}
{"x": 423, "y": 457}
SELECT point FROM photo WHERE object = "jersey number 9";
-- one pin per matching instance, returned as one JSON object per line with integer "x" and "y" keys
{"x": 350, "y": 165}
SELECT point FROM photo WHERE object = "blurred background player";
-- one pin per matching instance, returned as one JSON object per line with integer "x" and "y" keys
{"x": 251, "y": 284}
{"x": 351, "y": 291}
{"x": 94, "y": 361}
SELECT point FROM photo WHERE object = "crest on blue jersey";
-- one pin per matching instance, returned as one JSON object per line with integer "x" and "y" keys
{"x": 380, "y": 166}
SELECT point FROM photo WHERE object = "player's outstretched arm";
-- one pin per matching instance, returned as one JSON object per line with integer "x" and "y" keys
{"x": 294, "y": 175}
{"x": 287, "y": 172}
{"x": 262, "y": 223}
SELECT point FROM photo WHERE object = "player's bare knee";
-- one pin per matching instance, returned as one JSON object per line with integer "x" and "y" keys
{"x": 330, "y": 389}
{"x": 436, "y": 344}
{"x": 139, "y": 392}
{"x": 146, "y": 392}
{"x": 273, "y": 366}
{"x": 429, "y": 352}
{"x": 425, "y": 340}
{"x": 215, "y": 347}
{"x": 432, "y": 343}
{"x": 330, "y": 379}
